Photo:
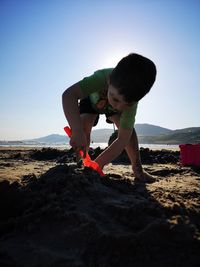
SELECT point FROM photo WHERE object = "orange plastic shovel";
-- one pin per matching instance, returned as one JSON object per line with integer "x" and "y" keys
{"x": 87, "y": 162}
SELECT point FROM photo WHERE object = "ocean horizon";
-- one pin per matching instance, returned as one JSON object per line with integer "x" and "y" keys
{"x": 93, "y": 145}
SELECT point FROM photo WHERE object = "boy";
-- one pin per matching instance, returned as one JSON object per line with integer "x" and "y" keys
{"x": 115, "y": 93}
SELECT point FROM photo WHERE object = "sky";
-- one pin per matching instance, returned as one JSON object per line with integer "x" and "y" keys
{"x": 46, "y": 46}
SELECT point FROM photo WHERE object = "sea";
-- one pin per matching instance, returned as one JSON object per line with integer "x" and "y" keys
{"x": 63, "y": 146}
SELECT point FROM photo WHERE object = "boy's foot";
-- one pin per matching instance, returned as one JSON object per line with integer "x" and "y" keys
{"x": 145, "y": 178}
{"x": 147, "y": 181}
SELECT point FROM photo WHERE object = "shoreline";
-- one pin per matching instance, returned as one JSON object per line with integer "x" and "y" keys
{"x": 94, "y": 146}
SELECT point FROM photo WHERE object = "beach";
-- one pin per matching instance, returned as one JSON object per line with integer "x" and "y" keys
{"x": 54, "y": 212}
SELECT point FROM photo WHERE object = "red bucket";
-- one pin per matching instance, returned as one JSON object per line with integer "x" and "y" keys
{"x": 190, "y": 154}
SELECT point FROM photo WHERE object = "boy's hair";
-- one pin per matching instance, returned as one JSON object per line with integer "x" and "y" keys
{"x": 133, "y": 77}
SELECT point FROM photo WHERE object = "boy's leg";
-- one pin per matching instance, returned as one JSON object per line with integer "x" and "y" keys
{"x": 89, "y": 117}
{"x": 133, "y": 152}
{"x": 88, "y": 120}
{"x": 132, "y": 149}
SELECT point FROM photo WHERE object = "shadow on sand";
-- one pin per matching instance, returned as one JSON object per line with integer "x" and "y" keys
{"x": 70, "y": 217}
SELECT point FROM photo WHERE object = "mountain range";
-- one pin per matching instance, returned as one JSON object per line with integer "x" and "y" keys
{"x": 147, "y": 134}
{"x": 166, "y": 136}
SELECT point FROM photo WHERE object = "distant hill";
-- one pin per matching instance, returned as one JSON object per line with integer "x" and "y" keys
{"x": 147, "y": 134}
{"x": 97, "y": 136}
{"x": 101, "y": 135}
{"x": 52, "y": 138}
{"x": 187, "y": 135}
{"x": 151, "y": 130}
{"x": 181, "y": 136}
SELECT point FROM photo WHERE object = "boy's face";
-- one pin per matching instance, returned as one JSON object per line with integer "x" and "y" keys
{"x": 116, "y": 100}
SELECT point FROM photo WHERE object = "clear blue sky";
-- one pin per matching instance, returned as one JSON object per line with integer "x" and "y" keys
{"x": 46, "y": 46}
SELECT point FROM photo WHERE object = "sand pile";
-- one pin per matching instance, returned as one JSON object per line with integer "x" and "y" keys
{"x": 70, "y": 217}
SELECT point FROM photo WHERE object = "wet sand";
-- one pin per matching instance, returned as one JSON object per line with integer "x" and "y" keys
{"x": 54, "y": 213}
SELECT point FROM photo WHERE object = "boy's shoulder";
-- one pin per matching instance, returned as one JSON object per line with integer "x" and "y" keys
{"x": 95, "y": 82}
{"x": 105, "y": 71}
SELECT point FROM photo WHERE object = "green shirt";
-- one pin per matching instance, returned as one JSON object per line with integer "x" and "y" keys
{"x": 96, "y": 87}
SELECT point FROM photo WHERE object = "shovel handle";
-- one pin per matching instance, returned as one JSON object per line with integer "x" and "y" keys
{"x": 87, "y": 162}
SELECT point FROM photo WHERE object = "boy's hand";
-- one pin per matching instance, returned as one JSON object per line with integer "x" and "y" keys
{"x": 78, "y": 142}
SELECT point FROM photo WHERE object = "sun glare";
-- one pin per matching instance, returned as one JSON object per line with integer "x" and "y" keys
{"x": 111, "y": 60}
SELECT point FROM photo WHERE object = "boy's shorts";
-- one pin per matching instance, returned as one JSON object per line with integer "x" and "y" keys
{"x": 85, "y": 106}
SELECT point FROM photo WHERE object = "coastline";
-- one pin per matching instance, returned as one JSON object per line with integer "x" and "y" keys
{"x": 93, "y": 145}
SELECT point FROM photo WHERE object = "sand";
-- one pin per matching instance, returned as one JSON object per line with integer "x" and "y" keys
{"x": 55, "y": 213}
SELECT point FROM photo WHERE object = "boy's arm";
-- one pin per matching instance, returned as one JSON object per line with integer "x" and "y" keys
{"x": 70, "y": 106}
{"x": 70, "y": 99}
{"x": 127, "y": 139}
{"x": 115, "y": 148}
